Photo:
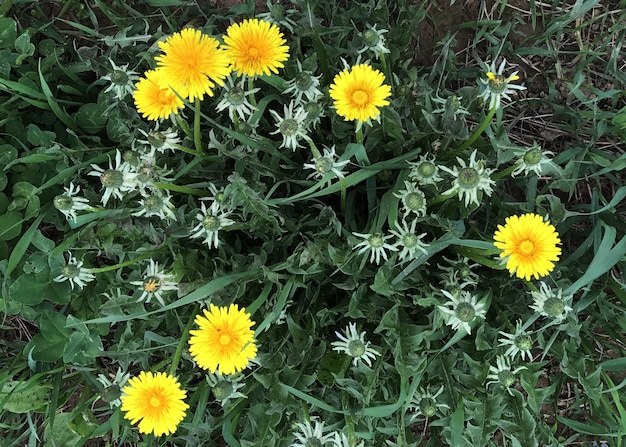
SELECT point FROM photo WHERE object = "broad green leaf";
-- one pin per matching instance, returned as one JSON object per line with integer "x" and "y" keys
{"x": 23, "y": 396}
{"x": 10, "y": 225}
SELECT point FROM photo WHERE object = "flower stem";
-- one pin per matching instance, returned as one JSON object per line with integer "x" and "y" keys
{"x": 178, "y": 188}
{"x": 183, "y": 340}
{"x": 108, "y": 268}
{"x": 504, "y": 173}
{"x": 183, "y": 125}
{"x": 359, "y": 132}
{"x": 197, "y": 136}
{"x": 250, "y": 88}
{"x": 479, "y": 130}
{"x": 316, "y": 152}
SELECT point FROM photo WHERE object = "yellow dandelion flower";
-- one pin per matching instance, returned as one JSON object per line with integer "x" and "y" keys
{"x": 359, "y": 92}
{"x": 529, "y": 245}
{"x": 154, "y": 100}
{"x": 156, "y": 401}
{"x": 255, "y": 47}
{"x": 192, "y": 63}
{"x": 224, "y": 339}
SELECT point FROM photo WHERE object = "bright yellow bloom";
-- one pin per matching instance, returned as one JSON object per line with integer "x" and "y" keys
{"x": 156, "y": 401}
{"x": 154, "y": 100}
{"x": 224, "y": 339}
{"x": 255, "y": 47}
{"x": 359, "y": 92}
{"x": 192, "y": 63}
{"x": 529, "y": 244}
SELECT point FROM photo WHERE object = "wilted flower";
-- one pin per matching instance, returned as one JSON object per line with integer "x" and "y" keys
{"x": 496, "y": 86}
{"x": 413, "y": 200}
{"x": 425, "y": 403}
{"x": 326, "y": 163}
{"x": 304, "y": 84}
{"x": 122, "y": 80}
{"x": 112, "y": 389}
{"x": 470, "y": 179}
{"x": 374, "y": 40}
{"x": 234, "y": 98}
{"x": 157, "y": 204}
{"x": 154, "y": 283}
{"x": 69, "y": 202}
{"x": 533, "y": 160}
{"x": 291, "y": 126}
{"x": 116, "y": 181}
{"x": 307, "y": 436}
{"x": 225, "y": 388}
{"x": 502, "y": 373}
{"x": 551, "y": 303}
{"x": 211, "y": 221}
{"x": 355, "y": 346}
{"x": 408, "y": 241}
{"x": 519, "y": 342}
{"x": 463, "y": 309}
{"x": 160, "y": 141}
{"x": 75, "y": 273}
{"x": 424, "y": 171}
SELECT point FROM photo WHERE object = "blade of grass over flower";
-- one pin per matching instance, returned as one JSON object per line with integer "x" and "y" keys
{"x": 265, "y": 293}
{"x": 22, "y": 245}
{"x": 281, "y": 301}
{"x": 312, "y": 401}
{"x": 54, "y": 106}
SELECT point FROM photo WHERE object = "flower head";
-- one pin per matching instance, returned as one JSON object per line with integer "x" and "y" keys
{"x": 502, "y": 373}
{"x": 376, "y": 244}
{"x": 519, "y": 342}
{"x": 277, "y": 14}
{"x": 408, "y": 241}
{"x": 355, "y": 346}
{"x": 234, "y": 98}
{"x": 112, "y": 389}
{"x": 69, "y": 202}
{"x": 470, "y": 179}
{"x": 308, "y": 436}
{"x": 341, "y": 440}
{"x": 533, "y": 160}
{"x": 154, "y": 99}
{"x": 463, "y": 309}
{"x": 291, "y": 126}
{"x": 122, "y": 80}
{"x": 116, "y": 180}
{"x": 550, "y": 303}
{"x": 424, "y": 171}
{"x": 304, "y": 84}
{"x": 154, "y": 283}
{"x": 413, "y": 200}
{"x": 156, "y": 401}
{"x": 157, "y": 204}
{"x": 192, "y": 63}
{"x": 160, "y": 141}
{"x": 211, "y": 221}
{"x": 359, "y": 92}
{"x": 424, "y": 402}
{"x": 74, "y": 272}
{"x": 325, "y": 164}
{"x": 225, "y": 388}
{"x": 497, "y": 86}
{"x": 224, "y": 340}
{"x": 529, "y": 245}
{"x": 255, "y": 47}
{"x": 374, "y": 40}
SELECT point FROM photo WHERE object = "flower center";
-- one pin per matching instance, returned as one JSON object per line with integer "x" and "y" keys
{"x": 71, "y": 271}
{"x": 156, "y": 139}
{"x": 426, "y": 169}
{"x": 497, "y": 83}
{"x": 554, "y": 307}
{"x": 523, "y": 342}
{"x": 224, "y": 339}
{"x": 414, "y": 201}
{"x": 468, "y": 178}
{"x": 428, "y": 407}
{"x": 303, "y": 81}
{"x": 63, "y": 202}
{"x": 222, "y": 390}
{"x": 323, "y": 165}
{"x": 211, "y": 223}
{"x": 289, "y": 127}
{"x": 153, "y": 203}
{"x": 253, "y": 54}
{"x": 112, "y": 179}
{"x": 526, "y": 248}
{"x": 165, "y": 96}
{"x": 360, "y": 98}
{"x": 533, "y": 157}
{"x": 118, "y": 77}
{"x": 506, "y": 378}
{"x": 465, "y": 312}
{"x": 356, "y": 348}
{"x": 371, "y": 38}
{"x": 236, "y": 96}
{"x": 313, "y": 442}
{"x": 312, "y": 109}
{"x": 156, "y": 401}
{"x": 151, "y": 284}
{"x": 376, "y": 240}
{"x": 409, "y": 240}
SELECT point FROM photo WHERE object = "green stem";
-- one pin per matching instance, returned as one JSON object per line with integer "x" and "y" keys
{"x": 479, "y": 130}
{"x": 183, "y": 125}
{"x": 441, "y": 198}
{"x": 108, "y": 268}
{"x": 250, "y": 88}
{"x": 183, "y": 340}
{"x": 316, "y": 152}
{"x": 504, "y": 173}
{"x": 186, "y": 150}
{"x": 359, "y": 132}
{"x": 183, "y": 189}
{"x": 197, "y": 136}
{"x": 344, "y": 189}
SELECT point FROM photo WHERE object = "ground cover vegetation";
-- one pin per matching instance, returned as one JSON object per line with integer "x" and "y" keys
{"x": 312, "y": 223}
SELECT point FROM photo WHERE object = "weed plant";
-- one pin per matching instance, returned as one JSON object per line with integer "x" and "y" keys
{"x": 312, "y": 223}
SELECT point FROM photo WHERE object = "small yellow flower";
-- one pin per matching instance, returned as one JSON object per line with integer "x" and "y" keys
{"x": 192, "y": 63}
{"x": 156, "y": 401}
{"x": 529, "y": 245}
{"x": 255, "y": 47}
{"x": 359, "y": 92}
{"x": 153, "y": 99}
{"x": 224, "y": 340}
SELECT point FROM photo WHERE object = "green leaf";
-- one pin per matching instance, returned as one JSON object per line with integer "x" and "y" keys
{"x": 49, "y": 344}
{"x": 27, "y": 290}
{"x": 22, "y": 245}
{"x": 38, "y": 137}
{"x": 10, "y": 225}
{"x": 8, "y": 32}
{"x": 23, "y": 396}
{"x": 60, "y": 433}
{"x": 91, "y": 117}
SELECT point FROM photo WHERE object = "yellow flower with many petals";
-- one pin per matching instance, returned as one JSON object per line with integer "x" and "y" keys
{"x": 529, "y": 245}
{"x": 255, "y": 47}
{"x": 359, "y": 92}
{"x": 224, "y": 340}
{"x": 156, "y": 401}
{"x": 153, "y": 99}
{"x": 192, "y": 63}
